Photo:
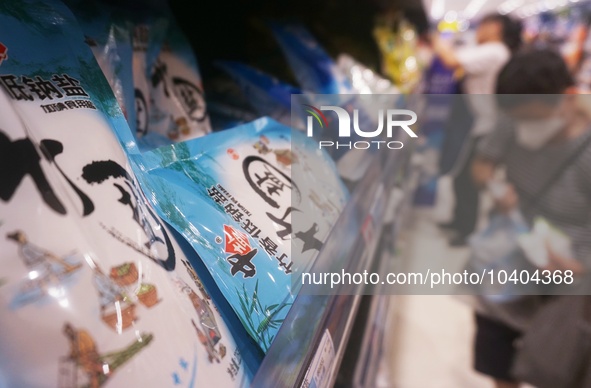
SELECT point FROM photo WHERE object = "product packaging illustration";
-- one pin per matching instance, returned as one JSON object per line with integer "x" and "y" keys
{"x": 94, "y": 290}
{"x": 169, "y": 97}
{"x": 232, "y": 195}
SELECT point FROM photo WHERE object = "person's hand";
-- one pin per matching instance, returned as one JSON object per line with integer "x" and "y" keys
{"x": 445, "y": 51}
{"x": 557, "y": 262}
{"x": 508, "y": 201}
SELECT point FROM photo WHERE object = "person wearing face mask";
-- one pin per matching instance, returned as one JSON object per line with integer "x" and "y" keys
{"x": 497, "y": 37}
{"x": 543, "y": 134}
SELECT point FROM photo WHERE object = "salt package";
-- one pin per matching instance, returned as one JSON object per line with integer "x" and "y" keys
{"x": 94, "y": 289}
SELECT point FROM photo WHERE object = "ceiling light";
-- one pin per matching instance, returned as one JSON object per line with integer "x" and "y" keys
{"x": 473, "y": 7}
{"x": 451, "y": 16}
{"x": 437, "y": 9}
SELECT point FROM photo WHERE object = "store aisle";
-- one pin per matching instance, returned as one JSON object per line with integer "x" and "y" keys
{"x": 433, "y": 344}
{"x": 431, "y": 338}
{"x": 433, "y": 333}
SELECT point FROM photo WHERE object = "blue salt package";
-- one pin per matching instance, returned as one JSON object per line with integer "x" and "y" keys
{"x": 151, "y": 69}
{"x": 314, "y": 69}
{"x": 178, "y": 108}
{"x": 269, "y": 96}
{"x": 94, "y": 288}
{"x": 232, "y": 195}
{"x": 257, "y": 321}
{"x": 147, "y": 36}
{"x": 125, "y": 50}
{"x": 169, "y": 93}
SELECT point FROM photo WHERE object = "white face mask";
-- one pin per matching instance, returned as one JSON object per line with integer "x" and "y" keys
{"x": 533, "y": 134}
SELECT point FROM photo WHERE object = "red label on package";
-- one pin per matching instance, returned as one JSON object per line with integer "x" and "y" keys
{"x": 3, "y": 53}
{"x": 236, "y": 241}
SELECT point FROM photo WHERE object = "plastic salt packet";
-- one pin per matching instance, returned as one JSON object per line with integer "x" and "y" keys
{"x": 141, "y": 89}
{"x": 147, "y": 35}
{"x": 329, "y": 197}
{"x": 233, "y": 196}
{"x": 125, "y": 45}
{"x": 169, "y": 99}
{"x": 94, "y": 289}
{"x": 178, "y": 108}
{"x": 151, "y": 69}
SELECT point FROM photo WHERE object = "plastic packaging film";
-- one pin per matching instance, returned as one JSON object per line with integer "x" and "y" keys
{"x": 179, "y": 109}
{"x": 150, "y": 67}
{"x": 233, "y": 196}
{"x": 168, "y": 86}
{"x": 94, "y": 289}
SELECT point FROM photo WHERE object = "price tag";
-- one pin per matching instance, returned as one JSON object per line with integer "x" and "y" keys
{"x": 321, "y": 369}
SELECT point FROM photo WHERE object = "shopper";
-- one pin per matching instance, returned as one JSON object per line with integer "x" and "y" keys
{"x": 546, "y": 134}
{"x": 497, "y": 36}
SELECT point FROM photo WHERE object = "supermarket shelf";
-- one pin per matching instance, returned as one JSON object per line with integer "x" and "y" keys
{"x": 352, "y": 246}
{"x": 363, "y": 363}
{"x": 372, "y": 349}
